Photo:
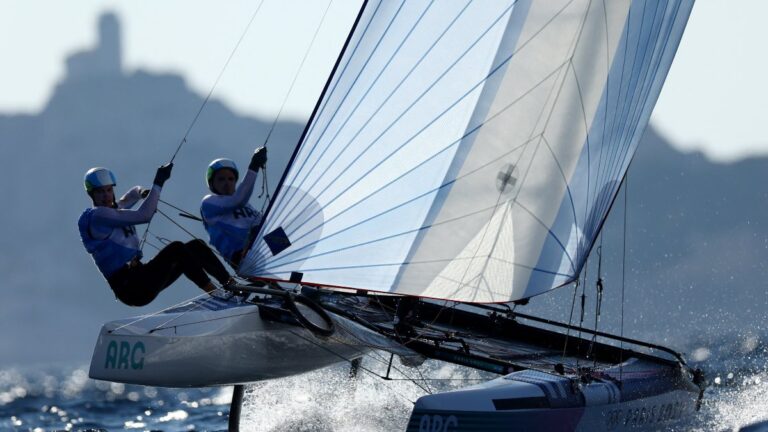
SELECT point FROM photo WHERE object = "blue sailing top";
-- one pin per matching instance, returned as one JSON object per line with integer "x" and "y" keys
{"x": 229, "y": 218}
{"x": 109, "y": 234}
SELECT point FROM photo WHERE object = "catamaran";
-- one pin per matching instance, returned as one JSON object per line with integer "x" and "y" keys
{"x": 462, "y": 158}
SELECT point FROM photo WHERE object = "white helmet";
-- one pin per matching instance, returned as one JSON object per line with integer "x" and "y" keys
{"x": 98, "y": 177}
{"x": 216, "y": 165}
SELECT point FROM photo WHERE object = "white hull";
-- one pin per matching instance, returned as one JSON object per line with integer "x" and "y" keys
{"x": 537, "y": 401}
{"x": 213, "y": 342}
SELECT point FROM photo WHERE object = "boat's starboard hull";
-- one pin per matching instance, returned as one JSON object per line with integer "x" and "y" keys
{"x": 536, "y": 401}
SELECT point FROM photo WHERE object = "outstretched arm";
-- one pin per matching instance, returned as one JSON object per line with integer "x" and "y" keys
{"x": 214, "y": 205}
{"x": 114, "y": 218}
{"x": 121, "y": 217}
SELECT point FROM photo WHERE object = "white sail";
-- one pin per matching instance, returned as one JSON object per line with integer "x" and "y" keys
{"x": 469, "y": 150}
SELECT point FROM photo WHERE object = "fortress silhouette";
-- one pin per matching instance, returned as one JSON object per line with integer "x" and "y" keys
{"x": 105, "y": 58}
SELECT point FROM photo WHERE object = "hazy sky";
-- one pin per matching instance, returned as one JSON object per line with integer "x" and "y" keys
{"x": 713, "y": 100}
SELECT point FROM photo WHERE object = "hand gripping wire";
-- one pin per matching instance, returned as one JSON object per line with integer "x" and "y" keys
{"x": 205, "y": 102}
{"x": 264, "y": 186}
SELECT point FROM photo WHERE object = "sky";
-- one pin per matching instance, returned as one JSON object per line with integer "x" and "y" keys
{"x": 713, "y": 100}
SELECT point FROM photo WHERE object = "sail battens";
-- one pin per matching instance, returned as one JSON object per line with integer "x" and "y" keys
{"x": 470, "y": 150}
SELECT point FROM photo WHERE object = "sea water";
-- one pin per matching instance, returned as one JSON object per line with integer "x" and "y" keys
{"x": 64, "y": 398}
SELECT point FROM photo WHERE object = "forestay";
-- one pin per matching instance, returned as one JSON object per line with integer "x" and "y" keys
{"x": 470, "y": 150}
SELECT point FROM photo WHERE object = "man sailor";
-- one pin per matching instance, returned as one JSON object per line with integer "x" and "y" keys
{"x": 228, "y": 217}
{"x": 108, "y": 232}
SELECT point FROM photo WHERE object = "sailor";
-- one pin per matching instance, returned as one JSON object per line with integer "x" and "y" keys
{"x": 108, "y": 233}
{"x": 228, "y": 217}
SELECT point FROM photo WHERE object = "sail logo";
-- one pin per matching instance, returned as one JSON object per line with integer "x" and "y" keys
{"x": 438, "y": 423}
{"x": 506, "y": 180}
{"x": 125, "y": 355}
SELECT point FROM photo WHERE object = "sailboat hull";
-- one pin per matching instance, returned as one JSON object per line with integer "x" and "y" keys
{"x": 535, "y": 401}
{"x": 210, "y": 343}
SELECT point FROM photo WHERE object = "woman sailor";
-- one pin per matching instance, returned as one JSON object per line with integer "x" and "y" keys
{"x": 108, "y": 233}
{"x": 228, "y": 217}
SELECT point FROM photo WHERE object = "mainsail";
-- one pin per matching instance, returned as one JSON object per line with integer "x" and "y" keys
{"x": 469, "y": 150}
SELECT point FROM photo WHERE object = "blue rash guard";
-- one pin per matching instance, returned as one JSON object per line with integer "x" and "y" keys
{"x": 229, "y": 218}
{"x": 109, "y": 235}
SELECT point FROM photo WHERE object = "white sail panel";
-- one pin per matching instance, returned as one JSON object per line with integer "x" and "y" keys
{"x": 470, "y": 150}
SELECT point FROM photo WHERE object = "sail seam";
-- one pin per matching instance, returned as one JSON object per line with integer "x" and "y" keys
{"x": 645, "y": 89}
{"x": 618, "y": 129}
{"x": 319, "y": 108}
{"x": 344, "y": 98}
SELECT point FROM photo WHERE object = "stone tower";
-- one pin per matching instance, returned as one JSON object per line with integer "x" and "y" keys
{"x": 105, "y": 59}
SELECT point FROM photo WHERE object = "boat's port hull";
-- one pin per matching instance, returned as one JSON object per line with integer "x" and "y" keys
{"x": 210, "y": 347}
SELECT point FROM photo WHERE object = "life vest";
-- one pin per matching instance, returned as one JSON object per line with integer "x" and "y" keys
{"x": 229, "y": 231}
{"x": 111, "y": 253}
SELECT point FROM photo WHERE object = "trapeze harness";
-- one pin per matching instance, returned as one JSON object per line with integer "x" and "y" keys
{"x": 230, "y": 219}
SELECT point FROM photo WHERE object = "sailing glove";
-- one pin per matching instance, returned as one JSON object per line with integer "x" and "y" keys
{"x": 259, "y": 159}
{"x": 163, "y": 174}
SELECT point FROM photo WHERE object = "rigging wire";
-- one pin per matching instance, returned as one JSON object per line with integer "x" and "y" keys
{"x": 153, "y": 245}
{"x": 163, "y": 240}
{"x": 298, "y": 71}
{"x": 623, "y": 273}
{"x": 369, "y": 371}
{"x": 218, "y": 78}
{"x": 598, "y": 297}
{"x": 182, "y": 211}
{"x": 154, "y": 314}
{"x": 405, "y": 341}
{"x": 205, "y": 102}
{"x": 583, "y": 301}
{"x": 379, "y": 358}
{"x": 265, "y": 185}
{"x": 177, "y": 224}
{"x": 317, "y": 107}
{"x": 264, "y": 189}
{"x": 570, "y": 318}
